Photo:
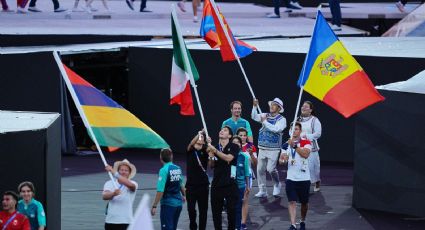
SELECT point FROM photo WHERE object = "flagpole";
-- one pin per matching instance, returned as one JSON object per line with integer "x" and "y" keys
{"x": 189, "y": 68}
{"x": 226, "y": 33}
{"x": 302, "y": 79}
{"x": 80, "y": 110}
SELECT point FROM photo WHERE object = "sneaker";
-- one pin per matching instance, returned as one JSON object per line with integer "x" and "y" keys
{"x": 60, "y": 9}
{"x": 292, "y": 227}
{"x": 195, "y": 18}
{"x": 181, "y": 6}
{"x": 244, "y": 227}
{"x": 261, "y": 194}
{"x": 317, "y": 189}
{"x": 95, "y": 9}
{"x": 130, "y": 4}
{"x": 145, "y": 10}
{"x": 400, "y": 7}
{"x": 336, "y": 28}
{"x": 276, "y": 189}
{"x": 288, "y": 10}
{"x": 295, "y": 5}
{"x": 34, "y": 9}
{"x": 302, "y": 225}
{"x": 20, "y": 10}
{"x": 273, "y": 15}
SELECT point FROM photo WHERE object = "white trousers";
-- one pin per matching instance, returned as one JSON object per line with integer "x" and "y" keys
{"x": 267, "y": 160}
{"x": 314, "y": 167}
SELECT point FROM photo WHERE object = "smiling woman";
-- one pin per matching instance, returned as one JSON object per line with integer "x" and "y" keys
{"x": 30, "y": 207}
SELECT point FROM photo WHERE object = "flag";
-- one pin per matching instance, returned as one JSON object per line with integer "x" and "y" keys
{"x": 143, "y": 218}
{"x": 333, "y": 76}
{"x": 180, "y": 92}
{"x": 112, "y": 125}
{"x": 213, "y": 33}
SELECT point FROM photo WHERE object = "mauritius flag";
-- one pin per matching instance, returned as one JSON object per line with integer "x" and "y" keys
{"x": 180, "y": 79}
{"x": 333, "y": 76}
{"x": 112, "y": 125}
{"x": 213, "y": 33}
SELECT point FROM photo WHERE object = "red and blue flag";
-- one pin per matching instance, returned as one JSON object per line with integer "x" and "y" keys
{"x": 213, "y": 33}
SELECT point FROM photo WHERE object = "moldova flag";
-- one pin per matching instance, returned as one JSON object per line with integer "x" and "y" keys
{"x": 333, "y": 76}
{"x": 112, "y": 125}
{"x": 213, "y": 33}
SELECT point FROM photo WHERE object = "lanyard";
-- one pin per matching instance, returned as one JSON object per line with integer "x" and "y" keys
{"x": 8, "y": 221}
{"x": 199, "y": 161}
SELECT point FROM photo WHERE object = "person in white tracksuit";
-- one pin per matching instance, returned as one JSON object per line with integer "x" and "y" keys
{"x": 312, "y": 130}
{"x": 269, "y": 144}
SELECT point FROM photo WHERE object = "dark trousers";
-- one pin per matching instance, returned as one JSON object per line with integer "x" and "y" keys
{"x": 197, "y": 195}
{"x": 335, "y": 11}
{"x": 239, "y": 207}
{"x": 218, "y": 195}
{"x": 116, "y": 226}
{"x": 143, "y": 5}
{"x": 55, "y": 3}
{"x": 170, "y": 217}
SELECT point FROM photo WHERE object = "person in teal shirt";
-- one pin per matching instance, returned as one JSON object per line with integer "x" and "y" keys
{"x": 170, "y": 191}
{"x": 243, "y": 174}
{"x": 236, "y": 121}
{"x": 30, "y": 207}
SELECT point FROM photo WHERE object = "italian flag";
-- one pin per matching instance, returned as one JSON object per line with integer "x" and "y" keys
{"x": 180, "y": 79}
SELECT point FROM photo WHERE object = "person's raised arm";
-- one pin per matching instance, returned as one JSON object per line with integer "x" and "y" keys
{"x": 122, "y": 180}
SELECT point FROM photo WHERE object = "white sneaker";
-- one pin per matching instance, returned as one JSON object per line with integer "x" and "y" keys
{"x": 276, "y": 189}
{"x": 195, "y": 18}
{"x": 296, "y": 5}
{"x": 181, "y": 6}
{"x": 316, "y": 189}
{"x": 272, "y": 15}
{"x": 336, "y": 28}
{"x": 261, "y": 194}
{"x": 34, "y": 9}
{"x": 20, "y": 10}
{"x": 400, "y": 7}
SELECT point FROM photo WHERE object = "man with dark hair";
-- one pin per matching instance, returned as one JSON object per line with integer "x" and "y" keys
{"x": 10, "y": 219}
{"x": 236, "y": 121}
{"x": 170, "y": 191}
{"x": 223, "y": 187}
{"x": 197, "y": 183}
{"x": 298, "y": 176}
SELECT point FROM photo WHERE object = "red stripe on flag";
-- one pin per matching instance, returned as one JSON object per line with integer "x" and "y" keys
{"x": 352, "y": 94}
{"x": 74, "y": 78}
{"x": 184, "y": 99}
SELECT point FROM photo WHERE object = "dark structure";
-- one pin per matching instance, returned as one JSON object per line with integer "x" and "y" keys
{"x": 271, "y": 75}
{"x": 389, "y": 172}
{"x": 35, "y": 156}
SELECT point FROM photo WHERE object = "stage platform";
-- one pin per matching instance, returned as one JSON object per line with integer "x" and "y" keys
{"x": 83, "y": 208}
{"x": 246, "y": 20}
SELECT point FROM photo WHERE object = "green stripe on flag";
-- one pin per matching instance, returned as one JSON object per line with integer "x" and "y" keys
{"x": 178, "y": 56}
{"x": 126, "y": 137}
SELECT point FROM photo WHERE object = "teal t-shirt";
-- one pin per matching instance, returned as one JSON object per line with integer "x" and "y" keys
{"x": 235, "y": 125}
{"x": 242, "y": 169}
{"x": 170, "y": 181}
{"x": 34, "y": 211}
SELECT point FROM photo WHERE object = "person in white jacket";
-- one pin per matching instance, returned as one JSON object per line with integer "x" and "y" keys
{"x": 269, "y": 144}
{"x": 312, "y": 130}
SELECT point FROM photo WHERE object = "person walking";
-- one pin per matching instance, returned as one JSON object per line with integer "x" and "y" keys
{"x": 269, "y": 144}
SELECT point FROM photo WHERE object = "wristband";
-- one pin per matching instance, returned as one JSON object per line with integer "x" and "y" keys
{"x": 153, "y": 206}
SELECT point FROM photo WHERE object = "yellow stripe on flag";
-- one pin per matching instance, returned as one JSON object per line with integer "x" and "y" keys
{"x": 331, "y": 67}
{"x": 100, "y": 116}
